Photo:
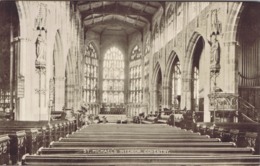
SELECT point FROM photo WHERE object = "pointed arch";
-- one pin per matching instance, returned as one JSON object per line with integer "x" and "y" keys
{"x": 172, "y": 58}
{"x": 173, "y": 81}
{"x": 190, "y": 50}
{"x": 157, "y": 80}
{"x": 156, "y": 71}
{"x": 188, "y": 68}
{"x": 233, "y": 21}
{"x": 58, "y": 56}
{"x": 69, "y": 82}
{"x": 90, "y": 71}
{"x": 58, "y": 73}
{"x": 94, "y": 45}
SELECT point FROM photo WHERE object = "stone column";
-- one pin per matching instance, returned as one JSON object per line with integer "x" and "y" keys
{"x": 59, "y": 93}
{"x": 155, "y": 101}
{"x": 166, "y": 97}
{"x": 20, "y": 111}
{"x": 25, "y": 108}
{"x": 230, "y": 75}
{"x": 186, "y": 93}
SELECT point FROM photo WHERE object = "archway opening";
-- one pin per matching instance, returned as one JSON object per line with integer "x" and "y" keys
{"x": 197, "y": 77}
{"x": 9, "y": 57}
{"x": 175, "y": 84}
{"x": 69, "y": 81}
{"x": 159, "y": 91}
{"x": 58, "y": 75}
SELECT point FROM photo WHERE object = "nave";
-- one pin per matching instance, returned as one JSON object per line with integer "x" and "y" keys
{"x": 67, "y": 67}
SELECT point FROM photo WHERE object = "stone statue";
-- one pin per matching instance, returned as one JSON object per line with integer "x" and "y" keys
{"x": 40, "y": 54}
{"x": 214, "y": 53}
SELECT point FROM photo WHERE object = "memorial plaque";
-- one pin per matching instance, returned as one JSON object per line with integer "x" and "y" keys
{"x": 20, "y": 87}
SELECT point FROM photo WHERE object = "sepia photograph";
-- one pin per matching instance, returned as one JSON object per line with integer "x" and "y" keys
{"x": 123, "y": 82}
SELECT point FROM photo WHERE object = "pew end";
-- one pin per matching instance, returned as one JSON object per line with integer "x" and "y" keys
{"x": 39, "y": 150}
{"x": 24, "y": 157}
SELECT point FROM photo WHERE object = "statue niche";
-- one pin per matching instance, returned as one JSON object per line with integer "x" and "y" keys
{"x": 40, "y": 52}
{"x": 214, "y": 53}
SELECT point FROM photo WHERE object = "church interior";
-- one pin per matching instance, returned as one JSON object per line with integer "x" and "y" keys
{"x": 129, "y": 83}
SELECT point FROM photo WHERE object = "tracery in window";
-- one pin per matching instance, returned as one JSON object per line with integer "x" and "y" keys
{"x": 135, "y": 88}
{"x": 90, "y": 74}
{"x": 113, "y": 76}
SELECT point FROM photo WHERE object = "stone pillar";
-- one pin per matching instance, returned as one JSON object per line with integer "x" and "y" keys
{"x": 59, "y": 93}
{"x": 206, "y": 84}
{"x": 40, "y": 94}
{"x": 230, "y": 83}
{"x": 186, "y": 93}
{"x": 26, "y": 105}
{"x": 166, "y": 97}
{"x": 155, "y": 101}
{"x": 20, "y": 112}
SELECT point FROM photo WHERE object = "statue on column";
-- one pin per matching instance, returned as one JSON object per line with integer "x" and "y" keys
{"x": 214, "y": 53}
{"x": 216, "y": 29}
{"x": 40, "y": 52}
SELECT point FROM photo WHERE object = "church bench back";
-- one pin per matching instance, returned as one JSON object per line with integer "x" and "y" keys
{"x": 4, "y": 149}
{"x": 142, "y": 144}
{"x": 168, "y": 151}
{"x": 135, "y": 160}
{"x": 17, "y": 144}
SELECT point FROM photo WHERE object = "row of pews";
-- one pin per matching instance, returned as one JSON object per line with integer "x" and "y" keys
{"x": 132, "y": 144}
{"x": 243, "y": 134}
{"x": 18, "y": 138}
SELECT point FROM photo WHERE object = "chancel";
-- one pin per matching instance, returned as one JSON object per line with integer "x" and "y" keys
{"x": 114, "y": 82}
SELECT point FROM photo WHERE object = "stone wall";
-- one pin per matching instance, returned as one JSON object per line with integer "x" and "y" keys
{"x": 62, "y": 31}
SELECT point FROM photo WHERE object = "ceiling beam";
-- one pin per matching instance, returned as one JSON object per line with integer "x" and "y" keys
{"x": 147, "y": 4}
{"x": 141, "y": 11}
{"x": 112, "y": 18}
{"x": 110, "y": 9}
{"x": 123, "y": 24}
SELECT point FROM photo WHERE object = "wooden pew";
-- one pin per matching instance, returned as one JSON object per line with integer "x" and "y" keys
{"x": 49, "y": 132}
{"x": 167, "y": 151}
{"x": 156, "y": 145}
{"x": 139, "y": 160}
{"x": 4, "y": 149}
{"x": 130, "y": 130}
{"x": 17, "y": 145}
{"x": 162, "y": 140}
{"x": 243, "y": 134}
{"x": 37, "y": 134}
{"x": 144, "y": 136}
{"x": 40, "y": 133}
{"x": 142, "y": 144}
{"x": 33, "y": 138}
{"x": 205, "y": 127}
{"x": 86, "y": 132}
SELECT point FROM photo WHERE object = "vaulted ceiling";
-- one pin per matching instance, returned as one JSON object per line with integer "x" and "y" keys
{"x": 126, "y": 16}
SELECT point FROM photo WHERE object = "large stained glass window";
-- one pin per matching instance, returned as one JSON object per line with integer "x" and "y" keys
{"x": 135, "y": 88}
{"x": 90, "y": 75}
{"x": 176, "y": 85}
{"x": 113, "y": 77}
